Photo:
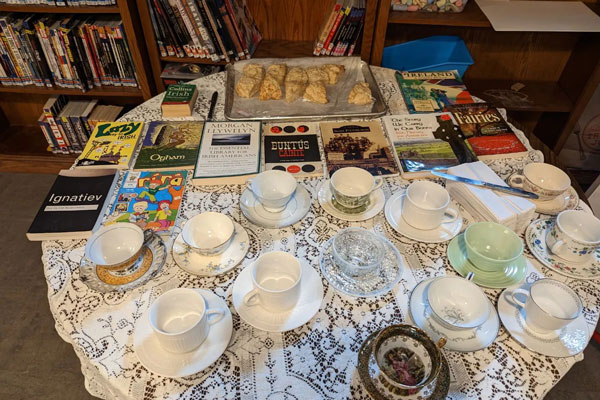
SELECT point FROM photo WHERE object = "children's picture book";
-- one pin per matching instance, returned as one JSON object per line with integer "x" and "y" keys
{"x": 426, "y": 92}
{"x": 74, "y": 205}
{"x": 361, "y": 144}
{"x": 488, "y": 134}
{"x": 293, "y": 147}
{"x": 149, "y": 199}
{"x": 111, "y": 145}
{"x": 169, "y": 145}
{"x": 417, "y": 159}
{"x": 229, "y": 152}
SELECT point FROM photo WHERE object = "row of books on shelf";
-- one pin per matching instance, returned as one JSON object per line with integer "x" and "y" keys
{"x": 62, "y": 3}
{"x": 341, "y": 30}
{"x": 65, "y": 50}
{"x": 220, "y": 30}
{"x": 68, "y": 124}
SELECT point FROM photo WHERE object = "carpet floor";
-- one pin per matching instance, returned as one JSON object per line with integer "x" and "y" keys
{"x": 36, "y": 363}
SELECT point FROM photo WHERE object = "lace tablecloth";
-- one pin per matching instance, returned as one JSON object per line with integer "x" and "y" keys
{"x": 317, "y": 360}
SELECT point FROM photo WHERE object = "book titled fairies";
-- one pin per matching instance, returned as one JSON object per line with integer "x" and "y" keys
{"x": 150, "y": 200}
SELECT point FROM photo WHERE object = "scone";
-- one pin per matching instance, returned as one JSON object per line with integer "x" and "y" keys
{"x": 360, "y": 94}
{"x": 317, "y": 74}
{"x": 293, "y": 90}
{"x": 316, "y": 93}
{"x": 296, "y": 74}
{"x": 247, "y": 87}
{"x": 278, "y": 72}
{"x": 255, "y": 71}
{"x": 334, "y": 71}
{"x": 270, "y": 89}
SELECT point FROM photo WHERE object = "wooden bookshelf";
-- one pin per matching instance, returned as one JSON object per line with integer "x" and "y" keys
{"x": 472, "y": 16}
{"x": 103, "y": 91}
{"x": 40, "y": 8}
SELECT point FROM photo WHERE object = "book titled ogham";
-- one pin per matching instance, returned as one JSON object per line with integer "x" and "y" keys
{"x": 74, "y": 205}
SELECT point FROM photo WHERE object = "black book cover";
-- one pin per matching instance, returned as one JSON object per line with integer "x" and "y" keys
{"x": 73, "y": 206}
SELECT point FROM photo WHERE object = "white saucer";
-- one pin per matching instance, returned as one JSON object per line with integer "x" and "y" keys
{"x": 566, "y": 342}
{"x": 196, "y": 264}
{"x": 293, "y": 212}
{"x": 535, "y": 236}
{"x": 567, "y": 201}
{"x": 463, "y": 340}
{"x": 161, "y": 362}
{"x": 376, "y": 204}
{"x": 311, "y": 296}
{"x": 393, "y": 214}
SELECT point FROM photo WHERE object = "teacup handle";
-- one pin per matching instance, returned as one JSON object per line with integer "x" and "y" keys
{"x": 214, "y": 311}
{"x": 451, "y": 214}
{"x": 378, "y": 183}
{"x": 556, "y": 246}
{"x": 148, "y": 233}
{"x": 516, "y": 181}
{"x": 514, "y": 299}
{"x": 249, "y": 184}
{"x": 252, "y": 299}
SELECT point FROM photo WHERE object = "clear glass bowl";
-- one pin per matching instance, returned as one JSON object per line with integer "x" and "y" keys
{"x": 357, "y": 251}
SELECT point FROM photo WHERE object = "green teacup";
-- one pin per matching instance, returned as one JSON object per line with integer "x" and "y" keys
{"x": 491, "y": 246}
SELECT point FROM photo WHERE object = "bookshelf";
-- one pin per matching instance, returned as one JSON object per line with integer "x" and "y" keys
{"x": 560, "y": 70}
{"x": 22, "y": 145}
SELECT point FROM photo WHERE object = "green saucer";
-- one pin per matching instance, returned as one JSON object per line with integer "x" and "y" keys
{"x": 512, "y": 274}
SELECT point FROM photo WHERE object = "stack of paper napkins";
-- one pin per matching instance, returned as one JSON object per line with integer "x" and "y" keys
{"x": 488, "y": 205}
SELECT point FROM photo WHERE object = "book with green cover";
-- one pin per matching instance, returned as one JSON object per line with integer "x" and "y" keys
{"x": 169, "y": 145}
{"x": 179, "y": 100}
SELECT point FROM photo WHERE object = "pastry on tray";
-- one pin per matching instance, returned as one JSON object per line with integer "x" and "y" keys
{"x": 293, "y": 90}
{"x": 296, "y": 74}
{"x": 270, "y": 89}
{"x": 317, "y": 74}
{"x": 316, "y": 93}
{"x": 277, "y": 71}
{"x": 247, "y": 87}
{"x": 360, "y": 94}
{"x": 255, "y": 71}
{"x": 334, "y": 71}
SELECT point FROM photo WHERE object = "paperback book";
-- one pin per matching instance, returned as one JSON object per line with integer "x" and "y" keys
{"x": 111, "y": 145}
{"x": 419, "y": 158}
{"x": 361, "y": 144}
{"x": 150, "y": 200}
{"x": 179, "y": 100}
{"x": 293, "y": 147}
{"x": 426, "y": 92}
{"x": 74, "y": 205}
{"x": 169, "y": 145}
{"x": 488, "y": 134}
{"x": 229, "y": 152}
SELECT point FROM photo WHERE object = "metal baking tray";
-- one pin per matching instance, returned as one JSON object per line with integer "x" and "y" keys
{"x": 237, "y": 108}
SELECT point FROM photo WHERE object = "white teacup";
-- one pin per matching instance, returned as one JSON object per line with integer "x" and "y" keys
{"x": 181, "y": 320}
{"x": 550, "y": 305}
{"x": 276, "y": 279}
{"x": 575, "y": 236}
{"x": 426, "y": 206}
{"x": 116, "y": 246}
{"x": 352, "y": 187}
{"x": 273, "y": 189}
{"x": 208, "y": 233}
{"x": 545, "y": 180}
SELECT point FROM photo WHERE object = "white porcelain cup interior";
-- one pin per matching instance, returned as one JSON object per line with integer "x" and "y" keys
{"x": 114, "y": 244}
{"x": 457, "y": 302}
{"x": 546, "y": 180}
{"x": 549, "y": 304}
{"x": 426, "y": 205}
{"x": 276, "y": 280}
{"x": 208, "y": 230}
{"x": 354, "y": 182}
{"x": 273, "y": 189}
{"x": 181, "y": 320}
{"x": 575, "y": 235}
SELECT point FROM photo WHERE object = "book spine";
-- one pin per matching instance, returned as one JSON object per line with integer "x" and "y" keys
{"x": 15, "y": 57}
{"x": 70, "y": 133}
{"x": 42, "y": 35}
{"x": 105, "y": 78}
{"x": 211, "y": 51}
{"x": 60, "y": 139}
{"x": 187, "y": 18}
{"x": 230, "y": 29}
{"x": 122, "y": 41}
{"x": 45, "y": 131}
{"x": 180, "y": 35}
{"x": 116, "y": 56}
{"x": 73, "y": 62}
{"x": 173, "y": 49}
{"x": 223, "y": 35}
{"x": 91, "y": 54}
{"x": 79, "y": 130}
{"x": 209, "y": 24}
{"x": 26, "y": 54}
{"x": 359, "y": 31}
{"x": 334, "y": 27}
{"x": 191, "y": 45}
{"x": 326, "y": 29}
{"x": 57, "y": 50}
{"x": 36, "y": 47}
{"x": 157, "y": 31}
{"x": 22, "y": 53}
{"x": 338, "y": 29}
{"x": 236, "y": 27}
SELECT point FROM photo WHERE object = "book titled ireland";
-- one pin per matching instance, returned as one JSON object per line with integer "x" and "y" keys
{"x": 111, "y": 145}
{"x": 169, "y": 145}
{"x": 229, "y": 152}
{"x": 426, "y": 92}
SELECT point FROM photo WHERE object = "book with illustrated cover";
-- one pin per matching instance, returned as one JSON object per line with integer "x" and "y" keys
{"x": 74, "y": 205}
{"x": 417, "y": 159}
{"x": 293, "y": 147}
{"x": 487, "y": 132}
{"x": 169, "y": 145}
{"x": 110, "y": 145}
{"x": 360, "y": 144}
{"x": 229, "y": 152}
{"x": 149, "y": 199}
{"x": 426, "y": 92}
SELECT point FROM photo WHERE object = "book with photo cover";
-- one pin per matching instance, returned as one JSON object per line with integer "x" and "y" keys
{"x": 488, "y": 134}
{"x": 229, "y": 152}
{"x": 426, "y": 92}
{"x": 417, "y": 159}
{"x": 74, "y": 205}
{"x": 293, "y": 147}
{"x": 361, "y": 144}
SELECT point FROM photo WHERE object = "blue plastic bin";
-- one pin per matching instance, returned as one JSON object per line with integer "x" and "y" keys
{"x": 435, "y": 53}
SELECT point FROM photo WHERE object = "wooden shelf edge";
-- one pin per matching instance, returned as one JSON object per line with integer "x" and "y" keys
{"x": 44, "y": 164}
{"x": 472, "y": 16}
{"x": 191, "y": 60}
{"x": 100, "y": 92}
{"x": 40, "y": 8}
